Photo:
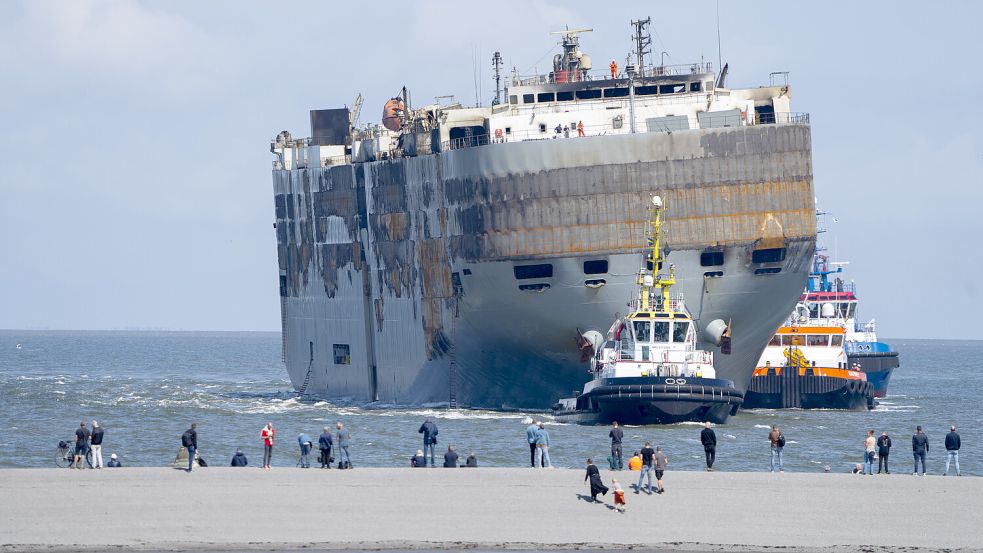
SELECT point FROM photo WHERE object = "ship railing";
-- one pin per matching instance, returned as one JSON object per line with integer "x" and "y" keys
{"x": 605, "y": 75}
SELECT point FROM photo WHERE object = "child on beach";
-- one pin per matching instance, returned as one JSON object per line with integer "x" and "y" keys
{"x": 619, "y": 496}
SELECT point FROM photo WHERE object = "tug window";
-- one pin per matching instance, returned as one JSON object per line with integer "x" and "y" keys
{"x": 814, "y": 311}
{"x": 792, "y": 340}
{"x": 679, "y": 331}
{"x": 595, "y": 266}
{"x": 852, "y": 311}
{"x": 660, "y": 331}
{"x": 817, "y": 340}
{"x": 533, "y": 271}
{"x": 643, "y": 331}
{"x": 776, "y": 340}
{"x": 342, "y": 354}
{"x": 837, "y": 341}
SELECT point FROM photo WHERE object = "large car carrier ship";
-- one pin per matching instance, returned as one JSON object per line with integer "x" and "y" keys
{"x": 455, "y": 254}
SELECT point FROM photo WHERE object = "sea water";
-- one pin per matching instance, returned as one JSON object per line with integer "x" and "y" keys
{"x": 145, "y": 389}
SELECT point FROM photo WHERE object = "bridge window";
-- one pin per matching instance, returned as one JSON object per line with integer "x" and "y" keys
{"x": 768, "y": 255}
{"x": 545, "y": 97}
{"x": 694, "y": 87}
{"x": 342, "y": 354}
{"x": 643, "y": 331}
{"x": 660, "y": 331}
{"x": 589, "y": 94}
{"x": 615, "y": 92}
{"x": 817, "y": 340}
{"x": 776, "y": 340}
{"x": 523, "y": 272}
{"x": 564, "y": 96}
{"x": 837, "y": 341}
{"x": 528, "y": 98}
{"x": 672, "y": 88}
{"x": 595, "y": 266}
{"x": 679, "y": 331}
{"x": 650, "y": 90}
{"x": 793, "y": 340}
{"x": 513, "y": 99}
{"x": 711, "y": 259}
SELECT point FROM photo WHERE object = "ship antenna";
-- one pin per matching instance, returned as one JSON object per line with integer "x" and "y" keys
{"x": 720, "y": 58}
{"x": 497, "y": 64}
{"x": 650, "y": 281}
{"x": 643, "y": 42}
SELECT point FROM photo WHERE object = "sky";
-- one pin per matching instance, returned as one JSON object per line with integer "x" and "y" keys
{"x": 135, "y": 184}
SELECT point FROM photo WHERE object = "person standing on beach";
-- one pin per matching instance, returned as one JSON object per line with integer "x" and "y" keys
{"x": 190, "y": 442}
{"x": 81, "y": 445}
{"x": 429, "y": 431}
{"x": 616, "y": 435}
{"x": 647, "y": 454}
{"x": 869, "y": 450}
{"x": 883, "y": 450}
{"x": 661, "y": 462}
{"x": 543, "y": 447}
{"x": 777, "y": 440}
{"x": 305, "y": 443}
{"x": 952, "y": 445}
{"x": 531, "y": 431}
{"x": 919, "y": 448}
{"x": 267, "y": 434}
{"x": 450, "y": 458}
{"x": 324, "y": 443}
{"x": 594, "y": 478}
{"x": 709, "y": 440}
{"x": 344, "y": 440}
{"x": 96, "y": 444}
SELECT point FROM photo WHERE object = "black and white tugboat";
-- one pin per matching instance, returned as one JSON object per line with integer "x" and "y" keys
{"x": 648, "y": 370}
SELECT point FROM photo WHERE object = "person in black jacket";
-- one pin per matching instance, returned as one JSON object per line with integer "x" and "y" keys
{"x": 616, "y": 435}
{"x": 419, "y": 460}
{"x": 596, "y": 484}
{"x": 450, "y": 458}
{"x": 883, "y": 450}
{"x": 113, "y": 462}
{"x": 919, "y": 447}
{"x": 96, "y": 445}
{"x": 429, "y": 431}
{"x": 190, "y": 441}
{"x": 472, "y": 461}
{"x": 952, "y": 445}
{"x": 239, "y": 459}
{"x": 709, "y": 440}
{"x": 324, "y": 443}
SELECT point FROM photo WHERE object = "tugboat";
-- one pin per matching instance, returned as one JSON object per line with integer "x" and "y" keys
{"x": 864, "y": 352}
{"x": 805, "y": 366}
{"x": 648, "y": 369}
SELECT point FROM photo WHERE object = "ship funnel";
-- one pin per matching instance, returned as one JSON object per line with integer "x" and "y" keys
{"x": 714, "y": 331}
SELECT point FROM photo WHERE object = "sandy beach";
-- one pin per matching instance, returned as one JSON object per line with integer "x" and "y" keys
{"x": 286, "y": 508}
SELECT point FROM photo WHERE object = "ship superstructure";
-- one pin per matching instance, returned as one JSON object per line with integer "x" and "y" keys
{"x": 453, "y": 253}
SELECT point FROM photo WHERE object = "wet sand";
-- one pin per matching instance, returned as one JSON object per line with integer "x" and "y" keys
{"x": 160, "y": 509}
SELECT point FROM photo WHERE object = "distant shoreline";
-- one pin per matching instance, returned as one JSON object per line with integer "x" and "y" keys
{"x": 224, "y": 509}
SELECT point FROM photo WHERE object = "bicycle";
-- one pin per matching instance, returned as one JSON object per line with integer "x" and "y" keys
{"x": 65, "y": 455}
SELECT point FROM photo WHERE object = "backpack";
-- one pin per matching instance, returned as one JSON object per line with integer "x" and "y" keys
{"x": 186, "y": 439}
{"x": 781, "y": 440}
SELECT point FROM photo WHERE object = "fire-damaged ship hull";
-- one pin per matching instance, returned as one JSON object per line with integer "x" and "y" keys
{"x": 465, "y": 276}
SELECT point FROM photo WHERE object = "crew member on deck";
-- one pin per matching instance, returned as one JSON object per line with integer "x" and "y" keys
{"x": 614, "y": 69}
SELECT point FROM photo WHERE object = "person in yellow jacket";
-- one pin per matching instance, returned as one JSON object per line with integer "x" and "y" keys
{"x": 635, "y": 463}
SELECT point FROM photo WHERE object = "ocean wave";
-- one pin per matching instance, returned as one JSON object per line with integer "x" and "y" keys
{"x": 762, "y": 426}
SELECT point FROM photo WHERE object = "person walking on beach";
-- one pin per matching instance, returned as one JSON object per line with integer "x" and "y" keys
{"x": 96, "y": 445}
{"x": 616, "y": 435}
{"x": 647, "y": 455}
{"x": 543, "y": 447}
{"x": 305, "y": 443}
{"x": 267, "y": 434}
{"x": 777, "y": 440}
{"x": 661, "y": 462}
{"x": 344, "y": 440}
{"x": 324, "y": 443}
{"x": 952, "y": 445}
{"x": 883, "y": 450}
{"x": 189, "y": 440}
{"x": 619, "y": 496}
{"x": 869, "y": 451}
{"x": 531, "y": 431}
{"x": 429, "y": 431}
{"x": 239, "y": 459}
{"x": 82, "y": 436}
{"x": 709, "y": 440}
{"x": 594, "y": 478}
{"x": 919, "y": 448}
{"x": 450, "y": 458}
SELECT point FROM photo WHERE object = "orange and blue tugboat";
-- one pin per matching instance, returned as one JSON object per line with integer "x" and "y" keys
{"x": 647, "y": 370}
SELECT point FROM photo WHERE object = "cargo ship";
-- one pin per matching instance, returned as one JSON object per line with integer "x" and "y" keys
{"x": 452, "y": 254}
{"x": 647, "y": 369}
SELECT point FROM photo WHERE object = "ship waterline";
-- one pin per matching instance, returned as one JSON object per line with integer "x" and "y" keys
{"x": 465, "y": 275}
